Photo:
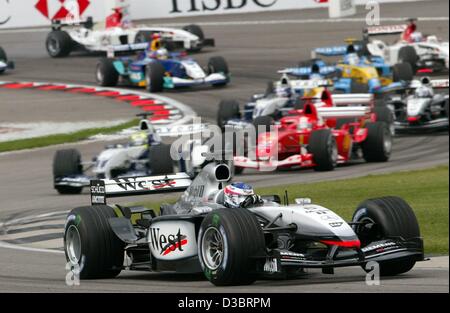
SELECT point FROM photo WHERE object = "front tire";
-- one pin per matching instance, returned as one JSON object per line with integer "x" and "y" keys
{"x": 90, "y": 245}
{"x": 390, "y": 217}
{"x": 323, "y": 147}
{"x": 59, "y": 44}
{"x": 378, "y": 145}
{"x": 228, "y": 110}
{"x": 3, "y": 57}
{"x": 106, "y": 74}
{"x": 229, "y": 241}
{"x": 154, "y": 76}
{"x": 402, "y": 72}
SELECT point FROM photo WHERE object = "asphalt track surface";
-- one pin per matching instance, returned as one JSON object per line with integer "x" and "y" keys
{"x": 255, "y": 52}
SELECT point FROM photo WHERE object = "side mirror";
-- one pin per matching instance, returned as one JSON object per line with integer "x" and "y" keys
{"x": 11, "y": 65}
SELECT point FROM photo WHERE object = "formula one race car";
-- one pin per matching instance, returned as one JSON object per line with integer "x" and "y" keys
{"x": 287, "y": 95}
{"x": 85, "y": 35}
{"x": 357, "y": 72}
{"x": 417, "y": 106}
{"x": 426, "y": 54}
{"x": 157, "y": 69}
{"x": 234, "y": 239}
{"x": 320, "y": 138}
{"x": 144, "y": 154}
{"x": 4, "y": 63}
{"x": 279, "y": 98}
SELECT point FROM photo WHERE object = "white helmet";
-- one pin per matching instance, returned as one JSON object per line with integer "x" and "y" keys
{"x": 424, "y": 92}
{"x": 236, "y": 193}
{"x": 162, "y": 54}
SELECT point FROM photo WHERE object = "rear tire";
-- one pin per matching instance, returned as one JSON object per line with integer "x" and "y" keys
{"x": 197, "y": 31}
{"x": 160, "y": 160}
{"x": 408, "y": 55}
{"x": 323, "y": 147}
{"x": 67, "y": 163}
{"x": 240, "y": 239}
{"x": 402, "y": 72}
{"x": 106, "y": 74}
{"x": 392, "y": 217}
{"x": 90, "y": 244}
{"x": 154, "y": 76}
{"x": 3, "y": 58}
{"x": 228, "y": 110}
{"x": 378, "y": 145}
{"x": 59, "y": 44}
{"x": 384, "y": 114}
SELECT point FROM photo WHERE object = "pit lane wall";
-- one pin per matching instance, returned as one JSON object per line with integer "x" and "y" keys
{"x": 38, "y": 13}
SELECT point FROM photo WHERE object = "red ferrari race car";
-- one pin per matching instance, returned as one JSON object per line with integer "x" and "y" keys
{"x": 321, "y": 136}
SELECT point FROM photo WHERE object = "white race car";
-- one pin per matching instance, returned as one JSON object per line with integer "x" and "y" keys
{"x": 4, "y": 63}
{"x": 426, "y": 54}
{"x": 87, "y": 36}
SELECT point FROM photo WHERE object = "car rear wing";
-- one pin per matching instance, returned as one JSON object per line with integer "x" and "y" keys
{"x": 102, "y": 189}
{"x": 344, "y": 112}
{"x": 306, "y": 71}
{"x": 353, "y": 100}
{"x": 332, "y": 51}
{"x": 308, "y": 84}
{"x": 58, "y": 24}
{"x": 134, "y": 47}
{"x": 384, "y": 30}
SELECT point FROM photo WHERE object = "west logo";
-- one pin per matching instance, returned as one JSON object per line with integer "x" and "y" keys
{"x": 166, "y": 244}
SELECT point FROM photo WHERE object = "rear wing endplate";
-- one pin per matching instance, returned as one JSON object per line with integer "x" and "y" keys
{"x": 102, "y": 189}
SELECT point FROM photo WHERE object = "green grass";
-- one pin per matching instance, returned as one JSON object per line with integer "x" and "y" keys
{"x": 425, "y": 190}
{"x": 45, "y": 141}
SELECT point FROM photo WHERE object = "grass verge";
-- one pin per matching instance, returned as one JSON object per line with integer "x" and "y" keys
{"x": 39, "y": 142}
{"x": 425, "y": 190}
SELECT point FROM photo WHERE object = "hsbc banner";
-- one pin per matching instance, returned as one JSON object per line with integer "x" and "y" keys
{"x": 35, "y": 13}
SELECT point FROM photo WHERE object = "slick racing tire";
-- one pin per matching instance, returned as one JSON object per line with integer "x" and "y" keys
{"x": 384, "y": 114}
{"x": 408, "y": 55}
{"x": 90, "y": 245}
{"x": 389, "y": 217}
{"x": 323, "y": 147}
{"x": 228, "y": 110}
{"x": 67, "y": 163}
{"x": 59, "y": 44}
{"x": 228, "y": 242}
{"x": 160, "y": 160}
{"x": 106, "y": 74}
{"x": 262, "y": 124}
{"x": 3, "y": 58}
{"x": 378, "y": 145}
{"x": 197, "y": 31}
{"x": 154, "y": 77}
{"x": 218, "y": 65}
{"x": 446, "y": 109}
{"x": 402, "y": 72}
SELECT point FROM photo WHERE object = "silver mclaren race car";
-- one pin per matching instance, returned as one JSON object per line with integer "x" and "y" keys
{"x": 420, "y": 106}
{"x": 233, "y": 240}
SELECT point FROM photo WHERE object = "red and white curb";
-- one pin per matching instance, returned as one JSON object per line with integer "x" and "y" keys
{"x": 166, "y": 112}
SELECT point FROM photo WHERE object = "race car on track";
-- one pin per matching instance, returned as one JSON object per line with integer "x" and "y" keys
{"x": 66, "y": 37}
{"x": 287, "y": 95}
{"x": 426, "y": 54}
{"x": 279, "y": 98}
{"x": 143, "y": 155}
{"x": 4, "y": 63}
{"x": 356, "y": 72}
{"x": 319, "y": 137}
{"x": 157, "y": 68}
{"x": 418, "y": 106}
{"x": 231, "y": 234}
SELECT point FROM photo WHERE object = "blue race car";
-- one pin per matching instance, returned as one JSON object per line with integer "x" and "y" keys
{"x": 357, "y": 72}
{"x": 158, "y": 68}
{"x": 4, "y": 63}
